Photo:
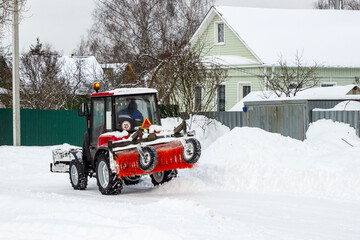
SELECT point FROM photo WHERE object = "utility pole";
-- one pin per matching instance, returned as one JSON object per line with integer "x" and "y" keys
{"x": 15, "y": 76}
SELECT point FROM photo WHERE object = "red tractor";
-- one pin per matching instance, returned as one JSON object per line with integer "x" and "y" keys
{"x": 124, "y": 141}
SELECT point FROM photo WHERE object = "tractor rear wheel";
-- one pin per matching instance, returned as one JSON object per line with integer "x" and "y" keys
{"x": 78, "y": 175}
{"x": 107, "y": 181}
{"x": 158, "y": 178}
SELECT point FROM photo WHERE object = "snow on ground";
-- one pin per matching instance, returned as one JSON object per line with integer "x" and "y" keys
{"x": 249, "y": 184}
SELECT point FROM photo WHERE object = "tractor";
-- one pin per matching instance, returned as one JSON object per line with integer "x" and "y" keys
{"x": 125, "y": 141}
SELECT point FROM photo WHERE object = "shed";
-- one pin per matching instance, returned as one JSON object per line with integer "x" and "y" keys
{"x": 291, "y": 116}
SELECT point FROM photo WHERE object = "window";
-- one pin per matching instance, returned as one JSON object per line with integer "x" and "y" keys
{"x": 98, "y": 118}
{"x": 243, "y": 90}
{"x": 132, "y": 110}
{"x": 198, "y": 98}
{"x": 221, "y": 98}
{"x": 294, "y": 85}
{"x": 327, "y": 84}
{"x": 219, "y": 33}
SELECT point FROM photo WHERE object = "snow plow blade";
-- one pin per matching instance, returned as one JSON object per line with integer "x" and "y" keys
{"x": 62, "y": 159}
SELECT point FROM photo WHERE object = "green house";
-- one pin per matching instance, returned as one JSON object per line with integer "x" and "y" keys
{"x": 250, "y": 42}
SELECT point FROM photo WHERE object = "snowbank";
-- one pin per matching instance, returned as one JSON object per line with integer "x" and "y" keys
{"x": 343, "y": 106}
{"x": 250, "y": 159}
{"x": 207, "y": 130}
{"x": 249, "y": 184}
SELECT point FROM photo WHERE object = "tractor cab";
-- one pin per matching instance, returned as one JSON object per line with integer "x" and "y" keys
{"x": 120, "y": 112}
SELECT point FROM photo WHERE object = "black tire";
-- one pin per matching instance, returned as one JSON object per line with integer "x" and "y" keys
{"x": 149, "y": 163}
{"x": 158, "y": 178}
{"x": 107, "y": 181}
{"x": 78, "y": 175}
{"x": 132, "y": 180}
{"x": 191, "y": 151}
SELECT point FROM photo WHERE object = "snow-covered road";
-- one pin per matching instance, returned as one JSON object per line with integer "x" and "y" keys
{"x": 249, "y": 185}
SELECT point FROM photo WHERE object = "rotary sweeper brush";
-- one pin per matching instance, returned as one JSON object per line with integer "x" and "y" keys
{"x": 124, "y": 141}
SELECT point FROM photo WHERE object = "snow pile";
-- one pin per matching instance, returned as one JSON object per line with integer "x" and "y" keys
{"x": 348, "y": 92}
{"x": 250, "y": 159}
{"x": 343, "y": 106}
{"x": 207, "y": 130}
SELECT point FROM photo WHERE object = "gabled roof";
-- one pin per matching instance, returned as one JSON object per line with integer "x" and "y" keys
{"x": 90, "y": 68}
{"x": 327, "y": 37}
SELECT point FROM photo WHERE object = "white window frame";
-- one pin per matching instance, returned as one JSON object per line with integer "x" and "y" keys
{"x": 216, "y": 33}
{"x": 242, "y": 84}
{"x": 329, "y": 83}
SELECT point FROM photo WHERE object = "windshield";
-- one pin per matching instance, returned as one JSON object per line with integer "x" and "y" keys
{"x": 131, "y": 111}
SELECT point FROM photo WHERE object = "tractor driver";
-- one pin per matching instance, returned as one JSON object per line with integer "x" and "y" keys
{"x": 132, "y": 111}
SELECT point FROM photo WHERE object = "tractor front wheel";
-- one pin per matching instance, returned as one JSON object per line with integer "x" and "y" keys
{"x": 107, "y": 181}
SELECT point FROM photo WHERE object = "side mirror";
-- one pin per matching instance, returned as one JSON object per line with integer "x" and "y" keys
{"x": 83, "y": 109}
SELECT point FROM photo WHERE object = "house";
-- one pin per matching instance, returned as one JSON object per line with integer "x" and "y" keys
{"x": 250, "y": 42}
{"x": 82, "y": 72}
{"x": 120, "y": 74}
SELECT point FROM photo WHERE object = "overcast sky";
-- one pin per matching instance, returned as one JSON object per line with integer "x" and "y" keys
{"x": 62, "y": 23}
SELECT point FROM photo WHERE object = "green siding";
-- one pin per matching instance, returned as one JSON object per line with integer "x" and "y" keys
{"x": 232, "y": 45}
{"x": 242, "y": 75}
{"x": 43, "y": 127}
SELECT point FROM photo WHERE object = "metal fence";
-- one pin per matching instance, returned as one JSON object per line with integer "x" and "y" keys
{"x": 289, "y": 119}
{"x": 52, "y": 127}
{"x": 350, "y": 117}
{"x": 230, "y": 119}
{"x": 43, "y": 127}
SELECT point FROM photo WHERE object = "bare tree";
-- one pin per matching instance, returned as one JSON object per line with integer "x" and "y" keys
{"x": 353, "y": 4}
{"x": 181, "y": 74}
{"x": 41, "y": 86}
{"x": 6, "y": 10}
{"x": 153, "y": 36}
{"x": 5, "y": 81}
{"x": 343, "y": 4}
{"x": 124, "y": 30}
{"x": 290, "y": 80}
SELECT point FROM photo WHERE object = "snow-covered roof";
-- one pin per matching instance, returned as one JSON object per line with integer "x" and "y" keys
{"x": 348, "y": 92}
{"x": 90, "y": 67}
{"x": 327, "y": 37}
{"x": 343, "y": 106}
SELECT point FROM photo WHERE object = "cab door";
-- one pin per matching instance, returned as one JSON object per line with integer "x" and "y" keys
{"x": 97, "y": 123}
{"x": 101, "y": 120}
